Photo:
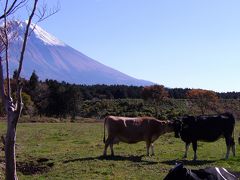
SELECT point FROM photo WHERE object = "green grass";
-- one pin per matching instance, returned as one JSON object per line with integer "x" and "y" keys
{"x": 74, "y": 150}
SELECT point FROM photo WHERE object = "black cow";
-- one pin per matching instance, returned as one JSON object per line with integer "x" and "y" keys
{"x": 210, "y": 173}
{"x": 206, "y": 128}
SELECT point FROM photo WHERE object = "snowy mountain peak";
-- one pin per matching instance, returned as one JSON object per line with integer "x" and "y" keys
{"x": 47, "y": 38}
{"x": 39, "y": 33}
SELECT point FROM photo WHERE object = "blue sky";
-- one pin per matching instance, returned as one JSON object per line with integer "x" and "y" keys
{"x": 177, "y": 43}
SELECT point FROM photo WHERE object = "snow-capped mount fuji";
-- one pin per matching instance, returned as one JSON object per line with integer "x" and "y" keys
{"x": 53, "y": 59}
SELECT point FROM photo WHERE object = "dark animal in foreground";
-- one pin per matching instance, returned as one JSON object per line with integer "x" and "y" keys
{"x": 133, "y": 130}
{"x": 206, "y": 128}
{"x": 210, "y": 173}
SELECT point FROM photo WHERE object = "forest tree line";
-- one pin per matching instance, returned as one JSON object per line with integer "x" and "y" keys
{"x": 60, "y": 99}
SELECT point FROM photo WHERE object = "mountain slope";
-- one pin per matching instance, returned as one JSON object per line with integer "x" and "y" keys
{"x": 53, "y": 59}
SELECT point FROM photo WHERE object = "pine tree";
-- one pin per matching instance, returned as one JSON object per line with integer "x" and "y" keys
{"x": 33, "y": 82}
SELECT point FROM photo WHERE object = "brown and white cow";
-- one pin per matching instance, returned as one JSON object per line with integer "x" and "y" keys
{"x": 133, "y": 130}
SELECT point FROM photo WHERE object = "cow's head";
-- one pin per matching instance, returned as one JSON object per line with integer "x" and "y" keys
{"x": 177, "y": 127}
{"x": 169, "y": 126}
{"x": 178, "y": 172}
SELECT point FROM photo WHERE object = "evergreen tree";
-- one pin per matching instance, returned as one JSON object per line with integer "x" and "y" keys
{"x": 33, "y": 82}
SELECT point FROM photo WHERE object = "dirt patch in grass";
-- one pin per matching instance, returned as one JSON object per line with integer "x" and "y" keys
{"x": 39, "y": 166}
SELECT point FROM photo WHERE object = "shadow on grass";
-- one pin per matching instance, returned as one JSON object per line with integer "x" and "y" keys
{"x": 137, "y": 159}
{"x": 186, "y": 162}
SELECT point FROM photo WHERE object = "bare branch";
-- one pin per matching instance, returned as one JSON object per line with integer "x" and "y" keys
{"x": 6, "y": 29}
{"x": 25, "y": 40}
{"x": 42, "y": 14}
{"x": 13, "y": 7}
{"x": 18, "y": 6}
{"x": 19, "y": 105}
{"x": 6, "y": 50}
{"x": 5, "y": 9}
{"x": 3, "y": 94}
{"x": 19, "y": 85}
{"x": 6, "y": 12}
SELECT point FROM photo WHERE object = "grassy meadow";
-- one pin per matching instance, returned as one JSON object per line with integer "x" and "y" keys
{"x": 73, "y": 151}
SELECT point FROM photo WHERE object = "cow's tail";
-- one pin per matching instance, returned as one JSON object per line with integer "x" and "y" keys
{"x": 104, "y": 126}
{"x": 232, "y": 119}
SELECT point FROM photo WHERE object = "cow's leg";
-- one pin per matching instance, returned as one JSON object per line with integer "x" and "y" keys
{"x": 111, "y": 146}
{"x": 152, "y": 149}
{"x": 233, "y": 146}
{"x": 227, "y": 154}
{"x": 107, "y": 143}
{"x": 228, "y": 144}
{"x": 148, "y": 143}
{"x": 186, "y": 149}
{"x": 194, "y": 145}
{"x": 105, "y": 149}
{"x": 234, "y": 150}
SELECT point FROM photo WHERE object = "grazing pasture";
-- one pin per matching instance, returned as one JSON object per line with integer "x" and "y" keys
{"x": 73, "y": 151}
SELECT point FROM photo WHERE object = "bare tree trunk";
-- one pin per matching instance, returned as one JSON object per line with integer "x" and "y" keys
{"x": 10, "y": 156}
{"x": 13, "y": 115}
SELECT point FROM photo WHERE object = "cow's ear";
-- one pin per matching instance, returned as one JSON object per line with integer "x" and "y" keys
{"x": 178, "y": 166}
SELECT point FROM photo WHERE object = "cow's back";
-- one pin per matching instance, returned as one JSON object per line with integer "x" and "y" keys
{"x": 208, "y": 128}
{"x": 129, "y": 130}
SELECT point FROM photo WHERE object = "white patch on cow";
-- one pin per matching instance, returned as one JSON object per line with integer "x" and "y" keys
{"x": 228, "y": 172}
{"x": 124, "y": 121}
{"x": 218, "y": 171}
